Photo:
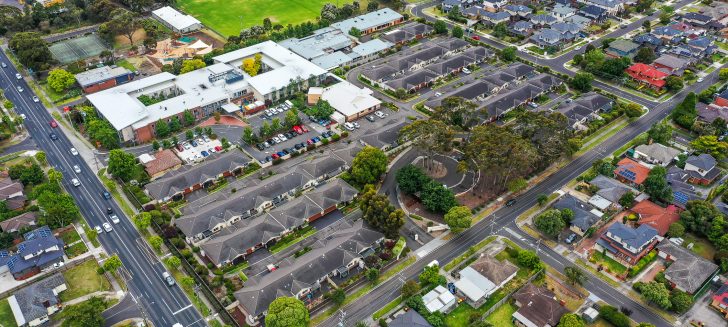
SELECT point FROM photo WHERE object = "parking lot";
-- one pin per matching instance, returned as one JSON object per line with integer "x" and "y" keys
{"x": 198, "y": 149}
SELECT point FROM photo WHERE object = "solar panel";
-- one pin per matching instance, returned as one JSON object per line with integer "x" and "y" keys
{"x": 44, "y": 232}
{"x": 21, "y": 247}
{"x": 11, "y": 262}
{"x": 4, "y": 253}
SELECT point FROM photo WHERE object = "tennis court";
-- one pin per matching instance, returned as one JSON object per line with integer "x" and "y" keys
{"x": 76, "y": 49}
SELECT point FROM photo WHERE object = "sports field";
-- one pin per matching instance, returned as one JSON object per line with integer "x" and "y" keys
{"x": 77, "y": 49}
{"x": 224, "y": 16}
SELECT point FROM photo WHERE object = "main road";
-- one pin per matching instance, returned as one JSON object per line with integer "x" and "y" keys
{"x": 163, "y": 305}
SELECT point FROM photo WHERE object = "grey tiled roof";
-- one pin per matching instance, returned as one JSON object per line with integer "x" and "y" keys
{"x": 409, "y": 319}
{"x": 583, "y": 218}
{"x": 609, "y": 188}
{"x": 496, "y": 271}
{"x": 539, "y": 305}
{"x": 34, "y": 300}
{"x": 657, "y": 151}
{"x": 384, "y": 136}
{"x": 688, "y": 270}
{"x": 703, "y": 161}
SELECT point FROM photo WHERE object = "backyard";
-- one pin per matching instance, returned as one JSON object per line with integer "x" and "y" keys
{"x": 6, "y": 315}
{"x": 228, "y": 17}
{"x": 502, "y": 315}
{"x": 82, "y": 280}
{"x": 701, "y": 246}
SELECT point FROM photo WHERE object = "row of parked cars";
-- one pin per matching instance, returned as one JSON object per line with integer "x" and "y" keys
{"x": 295, "y": 131}
{"x": 270, "y": 112}
{"x": 297, "y": 147}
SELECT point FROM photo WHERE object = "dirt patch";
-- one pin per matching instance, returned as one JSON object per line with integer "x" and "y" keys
{"x": 224, "y": 120}
{"x": 414, "y": 206}
{"x": 435, "y": 168}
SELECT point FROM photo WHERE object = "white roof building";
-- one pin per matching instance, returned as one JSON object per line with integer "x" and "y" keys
{"x": 474, "y": 285}
{"x": 369, "y": 22}
{"x": 176, "y": 20}
{"x": 350, "y": 100}
{"x": 439, "y": 299}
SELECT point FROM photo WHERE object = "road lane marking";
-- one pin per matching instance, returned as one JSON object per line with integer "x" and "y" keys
{"x": 183, "y": 309}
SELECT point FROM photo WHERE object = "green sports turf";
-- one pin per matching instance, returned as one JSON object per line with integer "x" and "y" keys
{"x": 224, "y": 16}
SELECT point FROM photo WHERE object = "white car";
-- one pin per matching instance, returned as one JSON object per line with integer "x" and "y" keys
{"x": 74, "y": 152}
{"x": 35, "y": 99}
{"x": 200, "y": 141}
{"x": 379, "y": 114}
{"x": 282, "y": 137}
{"x": 23, "y": 116}
{"x": 77, "y": 169}
{"x": 356, "y": 125}
{"x": 349, "y": 126}
{"x": 4, "y": 65}
{"x": 187, "y": 146}
{"x": 700, "y": 80}
{"x": 114, "y": 219}
{"x": 276, "y": 139}
{"x": 466, "y": 71}
{"x": 437, "y": 94}
{"x": 98, "y": 229}
{"x": 107, "y": 227}
{"x": 207, "y": 139}
{"x": 20, "y": 89}
{"x": 18, "y": 76}
{"x": 58, "y": 265}
{"x": 75, "y": 182}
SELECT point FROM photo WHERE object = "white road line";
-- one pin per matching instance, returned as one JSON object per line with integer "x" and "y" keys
{"x": 183, "y": 309}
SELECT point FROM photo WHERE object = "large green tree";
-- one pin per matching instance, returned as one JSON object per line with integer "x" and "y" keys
{"x": 437, "y": 198}
{"x": 100, "y": 130}
{"x": 32, "y": 51}
{"x": 656, "y": 184}
{"x": 122, "y": 164}
{"x": 699, "y": 217}
{"x": 458, "y": 218}
{"x": 550, "y": 222}
{"x": 112, "y": 263}
{"x": 430, "y": 136}
{"x": 680, "y": 301}
{"x": 58, "y": 209}
{"x": 85, "y": 314}
{"x": 286, "y": 312}
{"x": 660, "y": 132}
{"x": 368, "y": 165}
{"x": 582, "y": 82}
{"x": 125, "y": 23}
{"x": 411, "y": 179}
{"x": 575, "y": 275}
{"x": 191, "y": 65}
{"x": 656, "y": 293}
{"x": 711, "y": 145}
{"x": 571, "y": 320}
{"x": 379, "y": 213}
{"x": 60, "y": 80}
{"x": 685, "y": 113}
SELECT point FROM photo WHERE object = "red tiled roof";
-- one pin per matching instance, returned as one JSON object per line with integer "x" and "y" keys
{"x": 163, "y": 160}
{"x": 721, "y": 102}
{"x": 628, "y": 165}
{"x": 648, "y": 74}
{"x": 658, "y": 217}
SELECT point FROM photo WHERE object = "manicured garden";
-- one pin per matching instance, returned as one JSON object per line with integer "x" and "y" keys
{"x": 610, "y": 264}
{"x": 82, "y": 280}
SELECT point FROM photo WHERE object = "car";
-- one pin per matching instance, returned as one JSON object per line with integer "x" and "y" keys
{"x": 74, "y": 152}
{"x": 23, "y": 116}
{"x": 623, "y": 26}
{"x": 268, "y": 158}
{"x": 282, "y": 137}
{"x": 533, "y": 104}
{"x": 466, "y": 71}
{"x": 114, "y": 219}
{"x": 370, "y": 118}
{"x": 316, "y": 139}
{"x": 309, "y": 142}
{"x": 476, "y": 37}
{"x": 58, "y": 265}
{"x": 168, "y": 278}
{"x": 276, "y": 140}
{"x": 279, "y": 110}
{"x": 207, "y": 139}
{"x": 187, "y": 146}
{"x": 18, "y": 76}
{"x": 98, "y": 229}
{"x": 180, "y": 147}
{"x": 349, "y": 126}
{"x": 510, "y": 202}
{"x": 266, "y": 144}
{"x": 107, "y": 227}
{"x": 260, "y": 146}
{"x": 194, "y": 144}
{"x": 35, "y": 99}
{"x": 700, "y": 79}
{"x": 379, "y": 114}
{"x": 570, "y": 239}
{"x": 109, "y": 210}
{"x": 200, "y": 141}
{"x": 304, "y": 128}
{"x": 218, "y": 148}
{"x": 298, "y": 130}
{"x": 53, "y": 136}
{"x": 75, "y": 182}
{"x": 280, "y": 153}
{"x": 275, "y": 156}
{"x": 325, "y": 135}
{"x": 286, "y": 152}
{"x": 297, "y": 146}
{"x": 53, "y": 124}
{"x": 4, "y": 65}
{"x": 269, "y": 113}
{"x": 106, "y": 195}
{"x": 211, "y": 150}
{"x": 204, "y": 153}
{"x": 77, "y": 169}
{"x": 568, "y": 100}
{"x": 20, "y": 88}
{"x": 290, "y": 135}
{"x": 356, "y": 125}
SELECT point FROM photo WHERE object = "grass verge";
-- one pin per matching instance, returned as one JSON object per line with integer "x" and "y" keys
{"x": 6, "y": 314}
{"x": 391, "y": 305}
{"x": 472, "y": 250}
{"x": 82, "y": 280}
{"x": 607, "y": 131}
{"x": 278, "y": 247}
{"x": 591, "y": 269}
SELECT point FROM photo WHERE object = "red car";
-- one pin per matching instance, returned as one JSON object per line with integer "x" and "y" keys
{"x": 54, "y": 124}
{"x": 218, "y": 148}
{"x": 476, "y": 37}
{"x": 303, "y": 127}
{"x": 298, "y": 130}
{"x": 275, "y": 156}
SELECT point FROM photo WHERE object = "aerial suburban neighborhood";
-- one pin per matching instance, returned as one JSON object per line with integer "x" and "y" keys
{"x": 403, "y": 163}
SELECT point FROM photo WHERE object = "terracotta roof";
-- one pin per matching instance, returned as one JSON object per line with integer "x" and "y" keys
{"x": 647, "y": 74}
{"x": 163, "y": 160}
{"x": 538, "y": 305}
{"x": 18, "y": 222}
{"x": 658, "y": 217}
{"x": 631, "y": 170}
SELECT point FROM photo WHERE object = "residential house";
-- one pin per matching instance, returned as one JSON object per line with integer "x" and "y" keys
{"x": 711, "y": 112}
{"x": 569, "y": 31}
{"x": 386, "y": 137}
{"x": 671, "y": 64}
{"x": 612, "y": 7}
{"x": 697, "y": 19}
{"x": 719, "y": 300}
{"x": 701, "y": 169}
{"x": 656, "y": 216}
{"x": 622, "y": 48}
{"x": 18, "y": 223}
{"x": 682, "y": 191}
{"x": 500, "y": 104}
{"x": 12, "y": 193}
{"x": 631, "y": 172}
{"x": 648, "y": 40}
{"x": 34, "y": 304}
{"x": 163, "y": 161}
{"x": 626, "y": 244}
{"x": 561, "y": 12}
{"x": 548, "y": 38}
{"x": 522, "y": 28}
{"x": 495, "y": 18}
{"x": 687, "y": 271}
{"x": 596, "y": 14}
{"x": 494, "y": 5}
{"x": 722, "y": 99}
{"x": 439, "y": 300}
{"x": 39, "y": 250}
{"x": 239, "y": 240}
{"x": 331, "y": 259}
{"x": 407, "y": 33}
{"x": 409, "y": 319}
{"x": 580, "y": 20}
{"x": 175, "y": 185}
{"x": 610, "y": 189}
{"x": 537, "y": 307}
{"x": 667, "y": 34}
{"x": 475, "y": 13}
{"x": 585, "y": 109}
{"x": 656, "y": 154}
{"x": 447, "y": 5}
{"x": 584, "y": 215}
{"x": 542, "y": 20}
{"x": 647, "y": 75}
{"x": 482, "y": 278}
{"x": 518, "y": 11}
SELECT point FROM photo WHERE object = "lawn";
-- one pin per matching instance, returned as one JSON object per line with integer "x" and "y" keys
{"x": 82, "y": 280}
{"x": 70, "y": 236}
{"x": 228, "y": 17}
{"x": 701, "y": 246}
{"x": 292, "y": 238}
{"x": 76, "y": 250}
{"x": 613, "y": 266}
{"x": 502, "y": 316}
{"x": 6, "y": 315}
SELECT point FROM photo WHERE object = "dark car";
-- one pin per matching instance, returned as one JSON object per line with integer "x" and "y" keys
{"x": 570, "y": 239}
{"x": 316, "y": 139}
{"x": 285, "y": 151}
{"x": 53, "y": 136}
{"x": 280, "y": 153}
{"x": 298, "y": 146}
{"x": 268, "y": 158}
{"x": 109, "y": 211}
{"x": 290, "y": 135}
{"x": 260, "y": 146}
{"x": 106, "y": 195}
{"x": 193, "y": 143}
{"x": 370, "y": 118}
{"x": 510, "y": 202}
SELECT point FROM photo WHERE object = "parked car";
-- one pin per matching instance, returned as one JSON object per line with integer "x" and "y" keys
{"x": 260, "y": 146}
{"x": 466, "y": 71}
{"x": 207, "y": 139}
{"x": 476, "y": 37}
{"x": 298, "y": 146}
{"x": 211, "y": 150}
{"x": 187, "y": 146}
{"x": 316, "y": 139}
{"x": 280, "y": 153}
{"x": 218, "y": 148}
{"x": 370, "y": 118}
{"x": 570, "y": 239}
{"x": 180, "y": 148}
{"x": 298, "y": 130}
{"x": 356, "y": 125}
{"x": 282, "y": 137}
{"x": 268, "y": 158}
{"x": 274, "y": 156}
{"x": 194, "y": 144}
{"x": 276, "y": 140}
{"x": 204, "y": 153}
{"x": 379, "y": 114}
{"x": 200, "y": 141}
{"x": 286, "y": 152}
{"x": 349, "y": 126}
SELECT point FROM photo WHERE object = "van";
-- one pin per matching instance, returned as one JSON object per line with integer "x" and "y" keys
{"x": 168, "y": 278}
{"x": 433, "y": 263}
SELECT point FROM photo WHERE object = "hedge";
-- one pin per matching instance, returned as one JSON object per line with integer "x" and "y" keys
{"x": 642, "y": 264}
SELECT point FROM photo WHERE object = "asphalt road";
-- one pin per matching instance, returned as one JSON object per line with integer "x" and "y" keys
{"x": 162, "y": 304}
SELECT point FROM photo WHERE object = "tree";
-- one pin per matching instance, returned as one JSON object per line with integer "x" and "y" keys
{"x": 430, "y": 276}
{"x": 248, "y": 135}
{"x": 500, "y": 30}
{"x": 665, "y": 18}
{"x": 410, "y": 288}
{"x": 60, "y": 80}
{"x": 660, "y": 132}
{"x": 517, "y": 185}
{"x": 337, "y": 296}
{"x": 32, "y": 51}
{"x": 676, "y": 229}
{"x": 355, "y": 32}
{"x": 612, "y": 315}
{"x": 656, "y": 293}
{"x": 723, "y": 74}
{"x": 155, "y": 145}
{"x": 437, "y": 198}
{"x": 124, "y": 22}
{"x": 189, "y": 118}
{"x": 173, "y": 262}
{"x": 647, "y": 25}
{"x": 112, "y": 263}
{"x": 142, "y": 220}
{"x": 457, "y": 32}
{"x": 440, "y": 27}
{"x": 41, "y": 157}
{"x": 411, "y": 179}
{"x": 378, "y": 212}
{"x": 582, "y": 82}
{"x": 645, "y": 55}
{"x": 458, "y": 218}
{"x": 673, "y": 83}
{"x": 291, "y": 119}
{"x": 571, "y": 320}
{"x": 575, "y": 275}
{"x": 156, "y": 242}
{"x": 54, "y": 176}
{"x": 700, "y": 216}
{"x": 192, "y": 64}
{"x": 372, "y": 275}
{"x": 174, "y": 125}
{"x": 529, "y": 259}
{"x": 252, "y": 65}
{"x": 656, "y": 184}
{"x": 86, "y": 313}
{"x": 161, "y": 129}
{"x": 711, "y": 145}
{"x": 549, "y": 222}
{"x": 431, "y": 136}
{"x": 322, "y": 110}
{"x": 27, "y": 174}
{"x": 685, "y": 113}
{"x": 267, "y": 25}
{"x": 368, "y": 165}
{"x": 122, "y": 164}
{"x": 680, "y": 301}
{"x": 101, "y": 131}
{"x": 543, "y": 199}
{"x": 627, "y": 200}
{"x": 372, "y": 6}
{"x": 287, "y": 311}
{"x": 508, "y": 54}
{"x": 217, "y": 117}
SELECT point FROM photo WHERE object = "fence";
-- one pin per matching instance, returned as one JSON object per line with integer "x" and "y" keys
{"x": 508, "y": 296}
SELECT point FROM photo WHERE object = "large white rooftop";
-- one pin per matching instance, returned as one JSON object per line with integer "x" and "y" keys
{"x": 349, "y": 99}
{"x": 175, "y": 18}
{"x": 368, "y": 21}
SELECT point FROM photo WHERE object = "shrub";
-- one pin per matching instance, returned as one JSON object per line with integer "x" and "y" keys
{"x": 336, "y": 137}
{"x": 344, "y": 134}
{"x": 612, "y": 315}
{"x": 210, "y": 265}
